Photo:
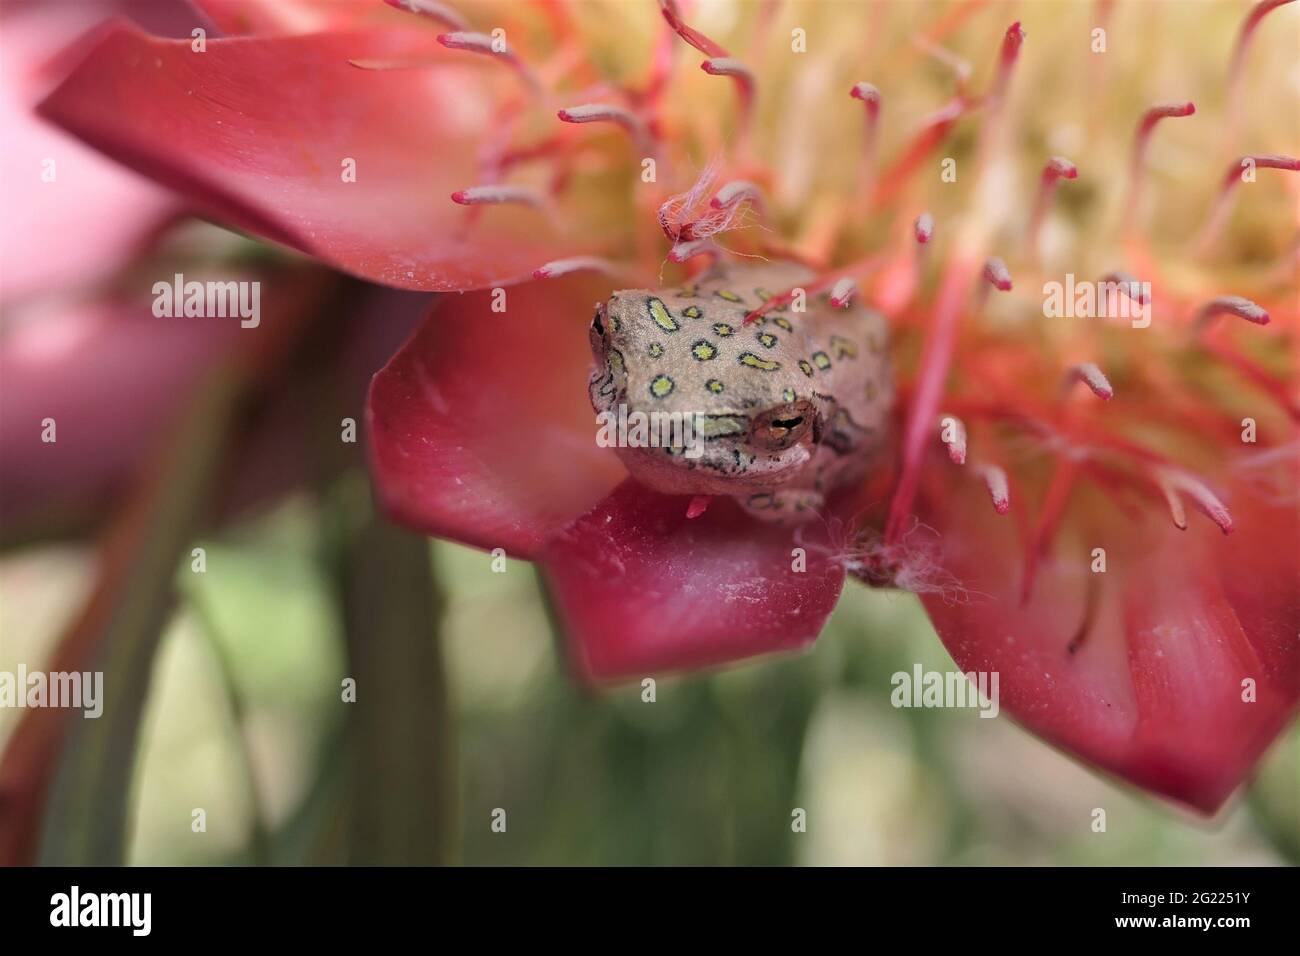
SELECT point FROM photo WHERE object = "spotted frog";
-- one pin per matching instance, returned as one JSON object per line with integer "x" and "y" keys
{"x": 791, "y": 405}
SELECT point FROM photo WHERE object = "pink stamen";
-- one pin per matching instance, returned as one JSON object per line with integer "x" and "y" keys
{"x": 960, "y": 66}
{"x": 1089, "y": 374}
{"x": 1230, "y": 305}
{"x": 736, "y": 191}
{"x": 562, "y": 267}
{"x": 1141, "y": 140}
{"x": 683, "y": 251}
{"x": 932, "y": 131}
{"x": 1058, "y": 496}
{"x": 957, "y": 443}
{"x": 1057, "y": 168}
{"x": 819, "y": 284}
{"x": 496, "y": 195}
{"x": 997, "y": 273}
{"x": 687, "y": 216}
{"x": 699, "y": 504}
{"x": 995, "y": 479}
{"x": 923, "y": 228}
{"x": 936, "y": 358}
{"x": 1175, "y": 502}
{"x": 1127, "y": 284}
{"x": 1219, "y": 217}
{"x": 605, "y": 113}
{"x": 433, "y": 10}
{"x": 692, "y": 36}
{"x": 843, "y": 292}
{"x": 727, "y": 66}
{"x": 1177, "y": 480}
{"x": 483, "y": 44}
{"x": 1235, "y": 66}
{"x": 1007, "y": 57}
{"x": 869, "y": 95}
{"x": 1277, "y": 389}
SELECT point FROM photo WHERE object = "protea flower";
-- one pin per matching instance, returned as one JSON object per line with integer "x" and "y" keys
{"x": 943, "y": 167}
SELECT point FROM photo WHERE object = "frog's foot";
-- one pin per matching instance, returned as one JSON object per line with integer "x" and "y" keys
{"x": 783, "y": 505}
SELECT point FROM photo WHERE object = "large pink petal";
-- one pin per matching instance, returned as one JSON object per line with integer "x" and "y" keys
{"x": 109, "y": 375}
{"x": 642, "y": 589}
{"x": 71, "y": 216}
{"x": 480, "y": 428}
{"x": 1153, "y": 688}
{"x": 258, "y": 131}
{"x": 236, "y": 17}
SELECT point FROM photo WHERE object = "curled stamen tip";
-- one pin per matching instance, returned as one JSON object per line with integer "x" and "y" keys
{"x": 733, "y": 192}
{"x": 699, "y": 504}
{"x": 495, "y": 195}
{"x": 725, "y": 66}
{"x": 996, "y": 272}
{"x": 1128, "y": 284}
{"x": 1058, "y": 167}
{"x": 1093, "y": 377}
{"x": 1176, "y": 510}
{"x": 1172, "y": 109}
{"x": 995, "y": 479}
{"x": 868, "y": 94}
{"x": 923, "y": 228}
{"x": 952, "y": 432}
{"x": 843, "y": 292}
{"x": 466, "y": 40}
{"x": 1234, "y": 305}
{"x": 560, "y": 267}
{"x": 1174, "y": 481}
{"x": 596, "y": 113}
{"x": 1271, "y": 161}
{"x": 1011, "y": 42}
{"x": 682, "y": 251}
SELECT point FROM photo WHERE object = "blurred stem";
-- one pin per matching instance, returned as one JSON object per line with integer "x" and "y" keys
{"x": 259, "y": 841}
{"x": 555, "y": 630}
{"x": 1274, "y": 797}
{"x": 399, "y": 782}
{"x": 402, "y": 781}
{"x": 88, "y": 819}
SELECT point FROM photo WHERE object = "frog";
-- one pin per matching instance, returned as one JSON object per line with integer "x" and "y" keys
{"x": 790, "y": 405}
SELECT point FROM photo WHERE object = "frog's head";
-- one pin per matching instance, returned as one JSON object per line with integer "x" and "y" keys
{"x": 746, "y": 416}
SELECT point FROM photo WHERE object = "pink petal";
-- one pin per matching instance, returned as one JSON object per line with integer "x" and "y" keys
{"x": 1152, "y": 690}
{"x": 75, "y": 230}
{"x": 111, "y": 376}
{"x": 235, "y": 17}
{"x": 642, "y": 588}
{"x": 480, "y": 426}
{"x": 236, "y": 129}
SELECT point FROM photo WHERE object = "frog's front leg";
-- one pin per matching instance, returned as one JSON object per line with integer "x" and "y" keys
{"x": 783, "y": 505}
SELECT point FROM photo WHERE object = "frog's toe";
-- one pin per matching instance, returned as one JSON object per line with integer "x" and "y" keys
{"x": 783, "y": 505}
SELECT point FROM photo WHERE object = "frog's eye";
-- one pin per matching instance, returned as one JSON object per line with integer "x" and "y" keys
{"x": 785, "y": 425}
{"x": 596, "y": 334}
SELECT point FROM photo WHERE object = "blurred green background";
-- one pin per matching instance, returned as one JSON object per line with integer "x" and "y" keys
{"x": 245, "y": 720}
